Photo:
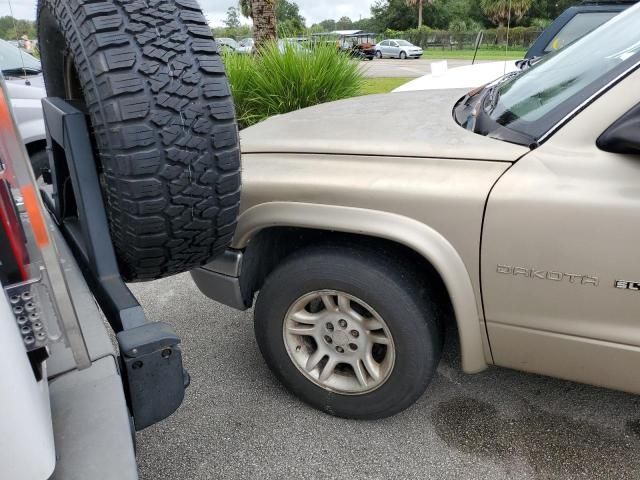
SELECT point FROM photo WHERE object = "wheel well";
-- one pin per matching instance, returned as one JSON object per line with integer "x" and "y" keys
{"x": 272, "y": 246}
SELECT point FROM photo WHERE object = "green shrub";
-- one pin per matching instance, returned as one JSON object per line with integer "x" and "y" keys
{"x": 277, "y": 81}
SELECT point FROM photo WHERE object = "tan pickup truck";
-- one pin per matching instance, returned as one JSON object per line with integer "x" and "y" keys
{"x": 511, "y": 211}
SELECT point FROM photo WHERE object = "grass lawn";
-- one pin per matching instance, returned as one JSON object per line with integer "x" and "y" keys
{"x": 382, "y": 85}
{"x": 439, "y": 54}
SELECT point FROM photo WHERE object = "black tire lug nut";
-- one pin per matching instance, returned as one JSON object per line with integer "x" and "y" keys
{"x": 340, "y": 349}
{"x": 355, "y": 333}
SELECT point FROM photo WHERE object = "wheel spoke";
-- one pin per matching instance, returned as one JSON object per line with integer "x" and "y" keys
{"x": 328, "y": 369}
{"x": 372, "y": 366}
{"x": 344, "y": 304}
{"x": 379, "y": 338}
{"x": 302, "y": 316}
{"x": 301, "y": 330}
{"x": 373, "y": 324}
{"x": 314, "y": 360}
{"x": 328, "y": 303}
{"x": 360, "y": 372}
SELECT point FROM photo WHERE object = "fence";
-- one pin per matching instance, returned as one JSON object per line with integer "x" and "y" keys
{"x": 519, "y": 38}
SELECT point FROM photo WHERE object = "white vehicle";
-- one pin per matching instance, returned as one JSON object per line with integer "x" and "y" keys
{"x": 51, "y": 328}
{"x": 467, "y": 76}
{"x": 396, "y": 48}
{"x": 69, "y": 400}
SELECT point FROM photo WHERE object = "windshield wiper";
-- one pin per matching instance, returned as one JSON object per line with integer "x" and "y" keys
{"x": 493, "y": 91}
{"x": 21, "y": 71}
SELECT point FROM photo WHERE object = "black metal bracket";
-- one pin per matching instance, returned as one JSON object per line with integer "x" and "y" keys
{"x": 150, "y": 354}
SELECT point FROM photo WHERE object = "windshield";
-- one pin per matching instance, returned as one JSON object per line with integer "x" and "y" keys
{"x": 10, "y": 59}
{"x": 542, "y": 96}
{"x": 403, "y": 43}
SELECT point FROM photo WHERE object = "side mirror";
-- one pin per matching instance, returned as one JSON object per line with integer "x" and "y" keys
{"x": 624, "y": 135}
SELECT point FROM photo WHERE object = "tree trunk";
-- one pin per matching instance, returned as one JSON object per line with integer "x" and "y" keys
{"x": 264, "y": 21}
{"x": 420, "y": 13}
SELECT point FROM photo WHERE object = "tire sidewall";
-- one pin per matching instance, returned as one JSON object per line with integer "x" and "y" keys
{"x": 416, "y": 343}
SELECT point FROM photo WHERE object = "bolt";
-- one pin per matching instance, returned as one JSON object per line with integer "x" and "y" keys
{"x": 34, "y": 316}
{"x": 41, "y": 336}
{"x": 136, "y": 365}
{"x": 29, "y": 340}
{"x": 134, "y": 351}
{"x": 328, "y": 339}
{"x": 18, "y": 309}
{"x": 14, "y": 299}
{"x": 26, "y": 296}
{"x": 29, "y": 306}
{"x": 22, "y": 320}
{"x": 339, "y": 349}
{"x": 25, "y": 330}
{"x": 343, "y": 323}
{"x": 353, "y": 346}
{"x": 355, "y": 333}
{"x": 166, "y": 353}
{"x": 37, "y": 326}
{"x": 329, "y": 326}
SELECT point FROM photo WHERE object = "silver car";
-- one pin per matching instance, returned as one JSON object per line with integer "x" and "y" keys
{"x": 25, "y": 86}
{"x": 392, "y": 48}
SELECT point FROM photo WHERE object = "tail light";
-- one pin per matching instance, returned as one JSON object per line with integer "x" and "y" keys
{"x": 30, "y": 268}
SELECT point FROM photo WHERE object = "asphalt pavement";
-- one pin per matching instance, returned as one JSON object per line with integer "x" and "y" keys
{"x": 391, "y": 67}
{"x": 238, "y": 422}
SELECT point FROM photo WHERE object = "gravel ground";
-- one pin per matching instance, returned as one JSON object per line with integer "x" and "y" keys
{"x": 237, "y": 421}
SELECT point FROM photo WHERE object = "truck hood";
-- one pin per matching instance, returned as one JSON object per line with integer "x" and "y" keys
{"x": 411, "y": 124}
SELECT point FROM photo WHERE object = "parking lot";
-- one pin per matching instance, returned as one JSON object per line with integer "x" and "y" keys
{"x": 391, "y": 67}
{"x": 237, "y": 422}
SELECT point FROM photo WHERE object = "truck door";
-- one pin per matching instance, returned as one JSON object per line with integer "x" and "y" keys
{"x": 560, "y": 264}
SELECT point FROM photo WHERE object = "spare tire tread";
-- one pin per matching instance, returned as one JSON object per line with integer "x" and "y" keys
{"x": 156, "y": 78}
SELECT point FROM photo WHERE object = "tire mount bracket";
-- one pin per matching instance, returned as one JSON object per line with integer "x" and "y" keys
{"x": 150, "y": 354}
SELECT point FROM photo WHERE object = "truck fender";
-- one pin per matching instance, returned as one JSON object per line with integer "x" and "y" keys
{"x": 421, "y": 238}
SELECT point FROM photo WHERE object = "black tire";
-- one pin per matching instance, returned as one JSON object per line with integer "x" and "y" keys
{"x": 39, "y": 161}
{"x": 392, "y": 290}
{"x": 151, "y": 78}
{"x": 378, "y": 54}
{"x": 403, "y": 55}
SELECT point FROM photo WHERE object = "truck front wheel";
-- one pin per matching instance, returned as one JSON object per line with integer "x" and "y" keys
{"x": 348, "y": 332}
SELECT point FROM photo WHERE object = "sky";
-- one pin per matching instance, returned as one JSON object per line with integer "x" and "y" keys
{"x": 313, "y": 10}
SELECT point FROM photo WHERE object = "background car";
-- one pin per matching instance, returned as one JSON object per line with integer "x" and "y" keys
{"x": 25, "y": 86}
{"x": 227, "y": 44}
{"x": 397, "y": 48}
{"x": 245, "y": 45}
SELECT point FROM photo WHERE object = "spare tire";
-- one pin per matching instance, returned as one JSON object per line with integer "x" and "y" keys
{"x": 150, "y": 76}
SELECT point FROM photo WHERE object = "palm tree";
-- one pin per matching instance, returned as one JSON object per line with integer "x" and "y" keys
{"x": 420, "y": 4}
{"x": 498, "y": 10}
{"x": 263, "y": 14}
